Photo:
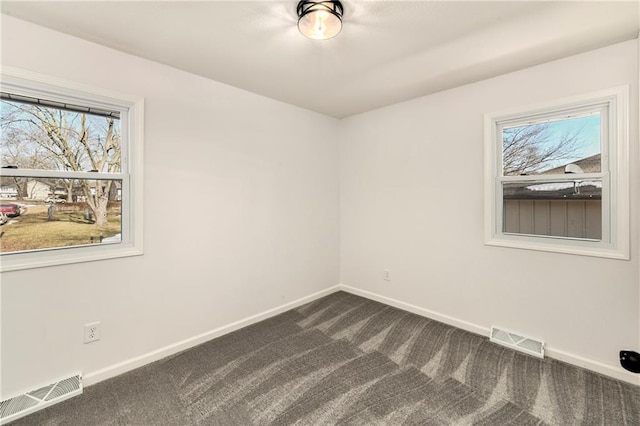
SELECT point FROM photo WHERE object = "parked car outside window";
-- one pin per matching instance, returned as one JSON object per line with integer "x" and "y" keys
{"x": 51, "y": 200}
{"x": 10, "y": 209}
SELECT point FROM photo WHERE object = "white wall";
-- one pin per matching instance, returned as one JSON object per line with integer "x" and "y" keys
{"x": 412, "y": 202}
{"x": 255, "y": 224}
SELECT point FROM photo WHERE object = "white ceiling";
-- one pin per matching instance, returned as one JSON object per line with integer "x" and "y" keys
{"x": 388, "y": 51}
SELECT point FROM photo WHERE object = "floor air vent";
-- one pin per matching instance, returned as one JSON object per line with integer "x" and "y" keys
{"x": 21, "y": 405}
{"x": 518, "y": 342}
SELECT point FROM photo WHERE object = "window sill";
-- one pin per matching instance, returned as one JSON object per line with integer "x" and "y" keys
{"x": 560, "y": 245}
{"x": 64, "y": 256}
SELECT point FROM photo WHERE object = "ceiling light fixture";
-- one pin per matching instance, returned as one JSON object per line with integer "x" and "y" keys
{"x": 320, "y": 20}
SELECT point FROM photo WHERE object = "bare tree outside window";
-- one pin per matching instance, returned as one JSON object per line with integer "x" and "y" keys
{"x": 39, "y": 137}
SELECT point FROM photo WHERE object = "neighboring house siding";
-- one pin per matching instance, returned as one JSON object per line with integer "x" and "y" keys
{"x": 8, "y": 193}
{"x": 563, "y": 218}
{"x": 560, "y": 212}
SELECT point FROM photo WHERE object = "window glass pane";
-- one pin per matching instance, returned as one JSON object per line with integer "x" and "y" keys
{"x": 559, "y": 146}
{"x": 560, "y": 209}
{"x": 48, "y": 138}
{"x": 52, "y": 213}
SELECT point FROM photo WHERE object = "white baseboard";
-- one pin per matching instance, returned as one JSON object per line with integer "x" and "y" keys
{"x": 417, "y": 310}
{"x": 598, "y": 367}
{"x": 133, "y": 363}
{"x": 589, "y": 364}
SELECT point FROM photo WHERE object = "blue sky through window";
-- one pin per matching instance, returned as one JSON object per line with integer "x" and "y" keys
{"x": 588, "y": 128}
{"x": 535, "y": 147}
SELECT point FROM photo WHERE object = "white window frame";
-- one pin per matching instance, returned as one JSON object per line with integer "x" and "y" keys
{"x": 26, "y": 83}
{"x": 615, "y": 175}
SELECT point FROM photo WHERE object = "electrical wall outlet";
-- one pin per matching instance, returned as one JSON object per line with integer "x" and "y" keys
{"x": 92, "y": 332}
{"x": 387, "y": 275}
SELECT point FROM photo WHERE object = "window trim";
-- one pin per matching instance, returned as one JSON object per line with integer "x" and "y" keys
{"x": 615, "y": 171}
{"x": 27, "y": 83}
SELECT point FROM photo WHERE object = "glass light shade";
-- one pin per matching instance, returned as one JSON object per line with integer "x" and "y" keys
{"x": 319, "y": 20}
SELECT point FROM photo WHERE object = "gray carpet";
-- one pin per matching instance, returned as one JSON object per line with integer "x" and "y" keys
{"x": 346, "y": 360}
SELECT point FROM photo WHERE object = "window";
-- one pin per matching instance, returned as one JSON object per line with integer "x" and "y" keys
{"x": 71, "y": 176}
{"x": 556, "y": 176}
